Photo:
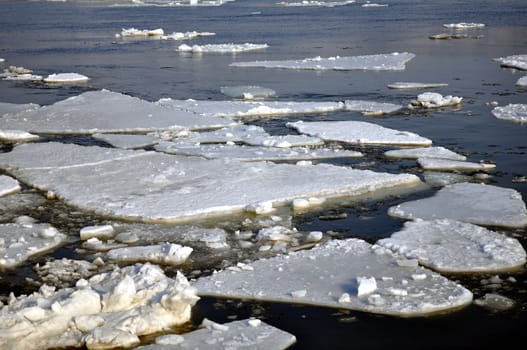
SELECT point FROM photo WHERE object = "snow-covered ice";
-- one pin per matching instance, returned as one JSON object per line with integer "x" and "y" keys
{"x": 384, "y": 280}
{"x": 106, "y": 111}
{"x": 391, "y": 61}
{"x": 410, "y": 85}
{"x": 436, "y": 100}
{"x": 362, "y": 133}
{"x": 110, "y": 310}
{"x": 247, "y": 92}
{"x": 151, "y": 186}
{"x": 453, "y": 246}
{"x": 58, "y": 78}
{"x": 8, "y": 185}
{"x": 478, "y": 204}
{"x": 251, "y": 334}
{"x": 514, "y": 61}
{"x": 515, "y": 112}
{"x": 19, "y": 242}
{"x": 453, "y": 165}
{"x": 222, "y": 48}
{"x": 464, "y": 25}
{"x": 127, "y": 141}
{"x": 163, "y": 254}
{"x": 429, "y": 152}
{"x": 370, "y": 107}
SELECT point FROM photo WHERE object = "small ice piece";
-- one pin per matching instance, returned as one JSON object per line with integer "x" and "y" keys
{"x": 522, "y": 81}
{"x": 478, "y": 204}
{"x": 361, "y": 133}
{"x": 345, "y": 298}
{"x": 391, "y": 61}
{"x": 371, "y": 107}
{"x": 275, "y": 233}
{"x": 436, "y": 100}
{"x": 428, "y": 152}
{"x": 185, "y": 35}
{"x": 495, "y": 302}
{"x": 222, "y": 48}
{"x": 127, "y": 141}
{"x": 19, "y": 242}
{"x": 514, "y": 61}
{"x": 99, "y": 231}
{"x": 243, "y": 91}
{"x": 453, "y": 246}
{"x": 133, "y": 32}
{"x": 299, "y": 293}
{"x": 314, "y": 236}
{"x": 273, "y": 279}
{"x": 410, "y": 85}
{"x": 22, "y": 77}
{"x": 167, "y": 254}
{"x": 8, "y": 185}
{"x": 464, "y": 25}
{"x": 512, "y": 112}
{"x": 60, "y": 78}
{"x": 453, "y": 165}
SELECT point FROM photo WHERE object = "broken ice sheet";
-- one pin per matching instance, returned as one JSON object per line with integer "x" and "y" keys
{"x": 421, "y": 152}
{"x": 105, "y": 111}
{"x": 163, "y": 254}
{"x": 318, "y": 273}
{"x": 251, "y": 334}
{"x": 391, "y": 61}
{"x": 222, "y": 48}
{"x": 453, "y": 165}
{"x": 514, "y": 61}
{"x": 512, "y": 112}
{"x": 156, "y": 187}
{"x": 453, "y": 246}
{"x": 361, "y": 133}
{"x": 19, "y": 242}
{"x": 127, "y": 141}
{"x": 370, "y": 107}
{"x": 478, "y": 204}
{"x": 247, "y": 92}
{"x": 410, "y": 85}
{"x": 110, "y": 310}
{"x": 8, "y": 185}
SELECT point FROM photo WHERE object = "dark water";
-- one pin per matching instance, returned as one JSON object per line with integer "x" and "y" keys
{"x": 51, "y": 37}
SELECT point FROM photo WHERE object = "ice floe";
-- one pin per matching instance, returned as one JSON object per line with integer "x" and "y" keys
{"x": 362, "y": 133}
{"x": 8, "y": 185}
{"x": 163, "y": 254}
{"x": 21, "y": 77}
{"x": 370, "y": 107}
{"x": 522, "y": 81}
{"x": 134, "y": 32}
{"x": 391, "y": 61}
{"x": 185, "y": 35}
{"x": 59, "y": 78}
{"x": 373, "y": 4}
{"x": 514, "y": 61}
{"x": 410, "y": 85}
{"x": 495, "y": 302}
{"x": 19, "y": 242}
{"x": 315, "y": 3}
{"x": 435, "y": 100}
{"x": 440, "y": 179}
{"x": 151, "y": 186}
{"x": 247, "y": 92}
{"x": 464, "y": 25}
{"x": 245, "y": 334}
{"x": 428, "y": 152}
{"x": 109, "y": 310}
{"x": 478, "y": 204}
{"x": 374, "y": 281}
{"x": 222, "y": 48}
{"x": 453, "y": 165}
{"x": 127, "y": 141}
{"x": 105, "y": 111}
{"x": 453, "y": 246}
{"x": 456, "y": 35}
{"x": 513, "y": 112}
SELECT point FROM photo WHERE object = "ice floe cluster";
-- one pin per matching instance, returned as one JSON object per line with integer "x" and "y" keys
{"x": 14, "y": 73}
{"x": 159, "y": 33}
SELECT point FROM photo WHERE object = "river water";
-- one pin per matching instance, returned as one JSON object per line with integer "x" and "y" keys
{"x": 51, "y": 37}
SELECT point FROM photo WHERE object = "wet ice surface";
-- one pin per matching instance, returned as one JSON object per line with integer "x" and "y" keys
{"x": 512, "y": 112}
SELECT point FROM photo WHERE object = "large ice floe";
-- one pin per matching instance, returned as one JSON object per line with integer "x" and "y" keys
{"x": 374, "y": 280}
{"x": 8, "y": 185}
{"x": 105, "y": 111}
{"x": 362, "y": 133}
{"x": 421, "y": 152}
{"x": 150, "y": 186}
{"x": 222, "y": 48}
{"x": 109, "y": 310}
{"x": 245, "y": 334}
{"x": 453, "y": 246}
{"x": 478, "y": 204}
{"x": 391, "y": 61}
{"x": 514, "y": 112}
{"x": 514, "y": 61}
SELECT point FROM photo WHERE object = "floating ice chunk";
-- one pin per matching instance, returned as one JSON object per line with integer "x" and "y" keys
{"x": 453, "y": 165}
{"x": 522, "y": 81}
{"x": 245, "y": 334}
{"x": 166, "y": 254}
{"x": 515, "y": 61}
{"x": 478, "y": 204}
{"x": 319, "y": 272}
{"x": 252, "y": 154}
{"x": 362, "y": 133}
{"x": 105, "y": 111}
{"x": 100, "y": 231}
{"x": 149, "y": 186}
{"x": 409, "y": 85}
{"x": 512, "y": 112}
{"x": 366, "y": 285}
{"x": 65, "y": 78}
{"x": 453, "y": 246}
{"x": 373, "y": 4}
{"x": 436, "y": 100}
{"x": 275, "y": 233}
{"x": 109, "y": 310}
{"x": 21, "y": 77}
{"x": 391, "y": 61}
{"x": 185, "y": 35}
{"x": 315, "y": 3}
{"x": 19, "y": 242}
{"x": 428, "y": 152}
{"x": 222, "y": 48}
{"x": 495, "y": 302}
{"x": 133, "y": 32}
{"x": 127, "y": 141}
{"x": 370, "y": 107}
{"x": 2, "y": 60}
{"x": 438, "y": 179}
{"x": 464, "y": 25}
{"x": 246, "y": 91}
{"x": 8, "y": 185}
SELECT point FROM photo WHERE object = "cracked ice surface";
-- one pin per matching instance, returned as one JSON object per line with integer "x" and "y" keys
{"x": 107, "y": 311}
{"x": 105, "y": 111}
{"x": 391, "y": 61}
{"x": 453, "y": 246}
{"x": 513, "y": 112}
{"x": 359, "y": 133}
{"x": 422, "y": 152}
{"x": 150, "y": 186}
{"x": 374, "y": 280}
{"x": 8, "y": 185}
{"x": 478, "y": 204}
